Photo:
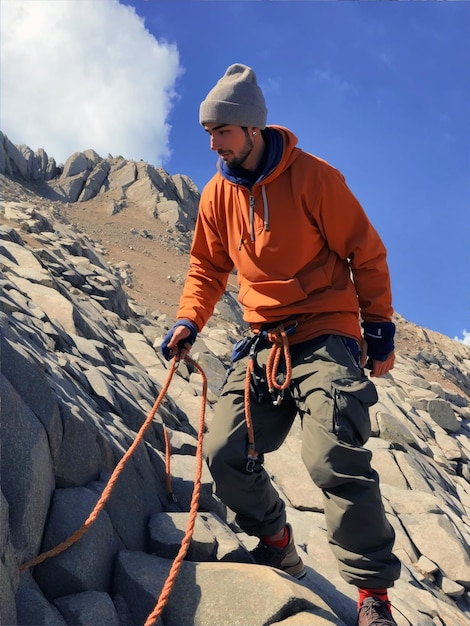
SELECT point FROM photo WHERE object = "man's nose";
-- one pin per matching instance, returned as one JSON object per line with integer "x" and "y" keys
{"x": 215, "y": 145}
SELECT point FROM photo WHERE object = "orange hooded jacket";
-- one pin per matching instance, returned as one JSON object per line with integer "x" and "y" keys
{"x": 301, "y": 244}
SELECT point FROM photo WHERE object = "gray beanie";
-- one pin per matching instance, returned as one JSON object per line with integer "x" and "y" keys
{"x": 236, "y": 99}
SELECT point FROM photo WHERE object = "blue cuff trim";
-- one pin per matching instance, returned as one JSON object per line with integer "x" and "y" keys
{"x": 380, "y": 339}
{"x": 191, "y": 339}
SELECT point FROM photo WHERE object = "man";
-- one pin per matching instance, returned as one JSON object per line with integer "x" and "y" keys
{"x": 311, "y": 271}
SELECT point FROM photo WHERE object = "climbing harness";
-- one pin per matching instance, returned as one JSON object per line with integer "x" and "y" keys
{"x": 280, "y": 346}
{"x": 173, "y": 573}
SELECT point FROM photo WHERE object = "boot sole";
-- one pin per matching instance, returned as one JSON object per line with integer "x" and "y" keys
{"x": 296, "y": 571}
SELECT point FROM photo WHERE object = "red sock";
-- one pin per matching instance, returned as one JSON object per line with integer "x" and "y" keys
{"x": 280, "y": 543}
{"x": 380, "y": 594}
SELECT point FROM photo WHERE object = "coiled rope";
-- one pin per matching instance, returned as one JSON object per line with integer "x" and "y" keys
{"x": 278, "y": 337}
{"x": 78, "y": 534}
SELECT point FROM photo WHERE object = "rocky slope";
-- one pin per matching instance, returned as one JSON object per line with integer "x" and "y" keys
{"x": 89, "y": 286}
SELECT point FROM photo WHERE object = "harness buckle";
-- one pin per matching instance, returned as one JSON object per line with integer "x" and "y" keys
{"x": 291, "y": 329}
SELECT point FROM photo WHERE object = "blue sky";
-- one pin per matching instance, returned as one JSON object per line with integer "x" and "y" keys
{"x": 381, "y": 90}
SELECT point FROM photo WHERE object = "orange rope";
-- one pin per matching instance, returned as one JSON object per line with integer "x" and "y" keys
{"x": 171, "y": 578}
{"x": 167, "y": 461}
{"x": 252, "y": 454}
{"x": 109, "y": 487}
{"x": 169, "y": 583}
{"x": 278, "y": 337}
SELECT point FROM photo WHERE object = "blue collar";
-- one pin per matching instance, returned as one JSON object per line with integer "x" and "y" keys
{"x": 271, "y": 157}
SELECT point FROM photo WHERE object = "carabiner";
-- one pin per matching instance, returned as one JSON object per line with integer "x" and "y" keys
{"x": 250, "y": 465}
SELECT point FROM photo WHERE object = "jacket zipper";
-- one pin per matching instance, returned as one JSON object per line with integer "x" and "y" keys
{"x": 252, "y": 218}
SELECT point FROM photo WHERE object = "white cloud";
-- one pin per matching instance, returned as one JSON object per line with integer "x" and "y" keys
{"x": 334, "y": 81}
{"x": 465, "y": 339}
{"x": 81, "y": 74}
{"x": 272, "y": 85}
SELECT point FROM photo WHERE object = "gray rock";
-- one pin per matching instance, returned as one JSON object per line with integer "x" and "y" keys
{"x": 69, "y": 188}
{"x": 427, "y": 566}
{"x": 139, "y": 579}
{"x": 8, "y": 233}
{"x": 451, "y": 588}
{"x": 87, "y": 564}
{"x": 449, "y": 446}
{"x": 182, "y": 443}
{"x": 20, "y": 255}
{"x": 183, "y": 473}
{"x": 442, "y": 413}
{"x": 50, "y": 301}
{"x": 26, "y": 470}
{"x": 77, "y": 464}
{"x": 9, "y": 575}
{"x": 167, "y": 531}
{"x": 94, "y": 181}
{"x": 77, "y": 163}
{"x": 32, "y": 386}
{"x": 32, "y": 606}
{"x": 144, "y": 193}
{"x": 213, "y": 368}
{"x": 384, "y": 461}
{"x": 229, "y": 310}
{"x": 12, "y": 161}
{"x": 286, "y": 467}
{"x": 393, "y": 429}
{"x": 88, "y": 607}
{"x": 51, "y": 169}
{"x": 229, "y": 546}
{"x": 440, "y": 541}
{"x": 143, "y": 493}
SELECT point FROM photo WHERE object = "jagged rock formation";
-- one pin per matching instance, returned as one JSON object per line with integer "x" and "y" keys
{"x": 172, "y": 199}
{"x": 79, "y": 375}
{"x": 23, "y": 162}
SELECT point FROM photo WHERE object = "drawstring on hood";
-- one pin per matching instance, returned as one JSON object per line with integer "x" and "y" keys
{"x": 266, "y": 208}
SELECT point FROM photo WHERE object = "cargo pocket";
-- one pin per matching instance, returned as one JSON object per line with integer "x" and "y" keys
{"x": 352, "y": 398}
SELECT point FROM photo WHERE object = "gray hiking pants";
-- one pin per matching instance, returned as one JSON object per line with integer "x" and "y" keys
{"x": 331, "y": 394}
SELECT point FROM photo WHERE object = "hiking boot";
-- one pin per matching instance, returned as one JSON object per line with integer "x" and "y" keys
{"x": 374, "y": 612}
{"x": 286, "y": 560}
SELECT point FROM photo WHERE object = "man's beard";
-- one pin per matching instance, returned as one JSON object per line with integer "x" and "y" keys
{"x": 245, "y": 152}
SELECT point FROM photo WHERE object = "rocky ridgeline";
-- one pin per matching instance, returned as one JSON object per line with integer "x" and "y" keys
{"x": 80, "y": 371}
{"x": 86, "y": 175}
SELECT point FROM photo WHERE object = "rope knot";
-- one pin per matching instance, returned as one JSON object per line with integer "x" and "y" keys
{"x": 278, "y": 337}
{"x": 275, "y": 335}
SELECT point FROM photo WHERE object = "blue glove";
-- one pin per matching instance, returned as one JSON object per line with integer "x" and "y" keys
{"x": 379, "y": 337}
{"x": 191, "y": 339}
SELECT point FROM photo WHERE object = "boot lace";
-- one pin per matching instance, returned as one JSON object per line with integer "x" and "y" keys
{"x": 378, "y": 614}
